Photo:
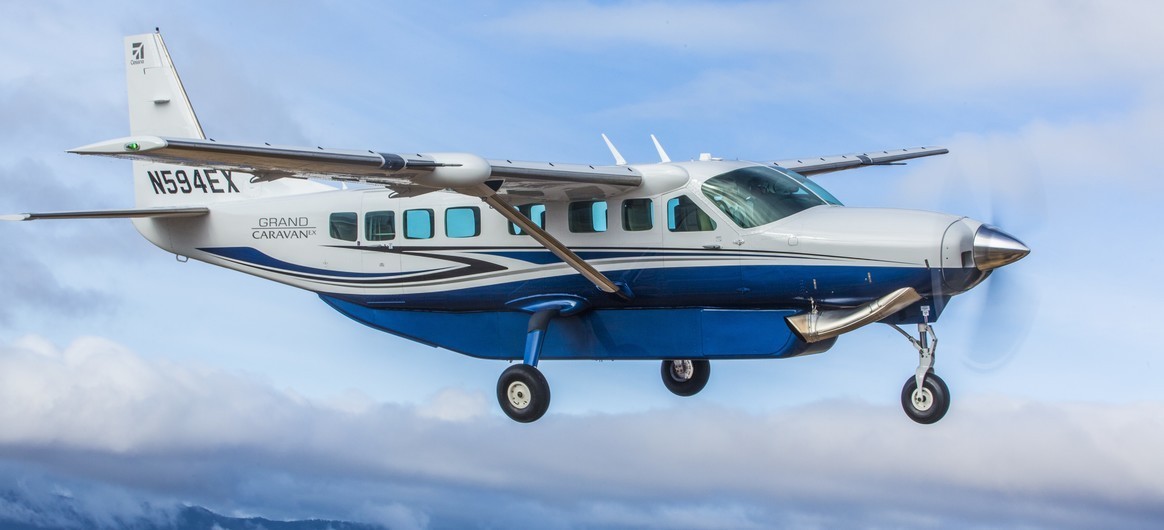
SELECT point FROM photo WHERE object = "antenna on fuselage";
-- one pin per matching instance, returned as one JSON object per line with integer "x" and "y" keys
{"x": 618, "y": 159}
{"x": 659, "y": 147}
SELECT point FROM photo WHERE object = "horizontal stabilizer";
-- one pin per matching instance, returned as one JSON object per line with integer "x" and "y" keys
{"x": 110, "y": 214}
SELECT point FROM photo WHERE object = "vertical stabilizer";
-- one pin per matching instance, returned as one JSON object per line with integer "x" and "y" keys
{"x": 158, "y": 105}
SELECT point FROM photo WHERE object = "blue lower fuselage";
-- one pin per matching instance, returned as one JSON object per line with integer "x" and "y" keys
{"x": 687, "y": 312}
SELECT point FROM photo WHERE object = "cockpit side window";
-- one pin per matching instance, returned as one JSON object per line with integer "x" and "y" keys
{"x": 683, "y": 215}
{"x": 756, "y": 196}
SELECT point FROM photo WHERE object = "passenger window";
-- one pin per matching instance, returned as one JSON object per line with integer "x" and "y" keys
{"x": 418, "y": 224}
{"x": 535, "y": 213}
{"x": 638, "y": 214}
{"x": 463, "y": 222}
{"x": 588, "y": 216}
{"x": 683, "y": 215}
{"x": 343, "y": 226}
{"x": 379, "y": 226}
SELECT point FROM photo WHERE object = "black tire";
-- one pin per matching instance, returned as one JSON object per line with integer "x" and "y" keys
{"x": 685, "y": 384}
{"x": 523, "y": 393}
{"x": 935, "y": 401}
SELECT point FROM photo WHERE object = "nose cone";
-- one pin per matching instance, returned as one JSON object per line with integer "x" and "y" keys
{"x": 994, "y": 248}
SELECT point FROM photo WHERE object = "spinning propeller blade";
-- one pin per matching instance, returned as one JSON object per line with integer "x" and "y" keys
{"x": 1003, "y": 323}
{"x": 1011, "y": 178}
{"x": 1008, "y": 311}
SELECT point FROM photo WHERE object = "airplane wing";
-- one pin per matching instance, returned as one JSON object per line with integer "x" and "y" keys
{"x": 501, "y": 183}
{"x": 408, "y": 174}
{"x": 827, "y": 164}
{"x": 110, "y": 214}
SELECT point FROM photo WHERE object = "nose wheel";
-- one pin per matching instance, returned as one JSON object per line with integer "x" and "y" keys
{"x": 927, "y": 404}
{"x": 925, "y": 397}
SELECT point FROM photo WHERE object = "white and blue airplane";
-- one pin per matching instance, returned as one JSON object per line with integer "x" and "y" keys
{"x": 682, "y": 262}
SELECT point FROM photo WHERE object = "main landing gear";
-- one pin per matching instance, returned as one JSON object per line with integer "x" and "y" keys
{"x": 524, "y": 394}
{"x": 522, "y": 390}
{"x": 925, "y": 397}
{"x": 685, "y": 377}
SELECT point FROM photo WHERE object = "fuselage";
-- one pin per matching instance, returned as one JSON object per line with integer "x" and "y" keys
{"x": 674, "y": 243}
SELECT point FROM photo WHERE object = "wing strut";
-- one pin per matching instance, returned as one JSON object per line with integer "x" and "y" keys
{"x": 553, "y": 245}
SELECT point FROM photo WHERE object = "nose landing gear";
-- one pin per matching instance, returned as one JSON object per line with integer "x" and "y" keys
{"x": 925, "y": 397}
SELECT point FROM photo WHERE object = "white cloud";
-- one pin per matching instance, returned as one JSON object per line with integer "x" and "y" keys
{"x": 102, "y": 413}
{"x": 452, "y": 404}
{"x": 943, "y": 47}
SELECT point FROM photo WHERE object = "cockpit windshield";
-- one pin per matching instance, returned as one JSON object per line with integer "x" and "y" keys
{"x": 759, "y": 195}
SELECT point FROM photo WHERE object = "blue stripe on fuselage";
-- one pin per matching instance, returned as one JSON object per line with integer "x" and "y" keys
{"x": 748, "y": 286}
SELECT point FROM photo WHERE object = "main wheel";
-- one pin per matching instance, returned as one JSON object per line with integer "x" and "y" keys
{"x": 685, "y": 377}
{"x": 928, "y": 404}
{"x": 523, "y": 393}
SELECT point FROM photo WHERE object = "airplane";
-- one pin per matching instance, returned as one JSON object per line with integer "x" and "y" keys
{"x": 682, "y": 262}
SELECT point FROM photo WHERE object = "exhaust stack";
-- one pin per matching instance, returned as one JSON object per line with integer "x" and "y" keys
{"x": 821, "y": 325}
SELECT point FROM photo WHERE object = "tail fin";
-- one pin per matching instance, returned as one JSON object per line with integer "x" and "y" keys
{"x": 158, "y": 105}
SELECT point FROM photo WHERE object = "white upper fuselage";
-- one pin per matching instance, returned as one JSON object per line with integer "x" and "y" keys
{"x": 294, "y": 239}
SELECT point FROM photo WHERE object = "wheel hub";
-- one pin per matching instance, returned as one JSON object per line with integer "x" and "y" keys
{"x": 518, "y": 394}
{"x": 923, "y": 399}
{"x": 682, "y": 370}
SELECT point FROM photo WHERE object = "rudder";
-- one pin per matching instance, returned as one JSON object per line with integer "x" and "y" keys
{"x": 158, "y": 105}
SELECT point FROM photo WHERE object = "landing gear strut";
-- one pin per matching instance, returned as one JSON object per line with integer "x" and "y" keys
{"x": 925, "y": 397}
{"x": 522, "y": 390}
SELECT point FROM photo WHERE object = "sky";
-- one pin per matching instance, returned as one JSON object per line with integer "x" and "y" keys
{"x": 128, "y": 377}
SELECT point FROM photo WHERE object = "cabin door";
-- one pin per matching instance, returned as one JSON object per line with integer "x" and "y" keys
{"x": 701, "y": 264}
{"x": 379, "y": 236}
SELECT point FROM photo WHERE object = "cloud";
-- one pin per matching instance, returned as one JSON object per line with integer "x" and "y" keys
{"x": 99, "y": 412}
{"x": 452, "y": 404}
{"x": 931, "y": 48}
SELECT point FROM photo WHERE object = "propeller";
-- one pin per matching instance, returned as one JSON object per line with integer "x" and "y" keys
{"x": 1010, "y": 303}
{"x": 1003, "y": 322}
{"x": 1001, "y": 178}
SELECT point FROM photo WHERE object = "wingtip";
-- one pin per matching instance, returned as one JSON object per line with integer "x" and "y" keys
{"x": 121, "y": 146}
{"x": 14, "y": 217}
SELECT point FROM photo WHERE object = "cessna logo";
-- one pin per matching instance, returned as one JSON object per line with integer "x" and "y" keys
{"x": 137, "y": 53}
